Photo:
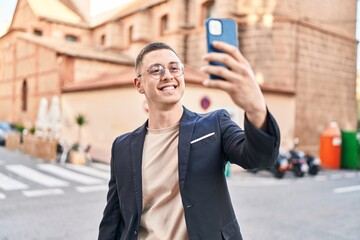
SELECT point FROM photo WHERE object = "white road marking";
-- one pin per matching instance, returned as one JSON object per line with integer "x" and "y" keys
{"x": 101, "y": 166}
{"x": 336, "y": 176}
{"x": 36, "y": 176}
{"x": 258, "y": 182}
{"x": 350, "y": 175}
{"x": 67, "y": 174}
{"x": 2, "y": 196}
{"x": 347, "y": 189}
{"x": 9, "y": 184}
{"x": 45, "y": 192}
{"x": 89, "y": 171}
{"x": 320, "y": 178}
{"x": 85, "y": 189}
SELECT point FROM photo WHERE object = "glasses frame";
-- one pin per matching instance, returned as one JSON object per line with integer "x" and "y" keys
{"x": 182, "y": 67}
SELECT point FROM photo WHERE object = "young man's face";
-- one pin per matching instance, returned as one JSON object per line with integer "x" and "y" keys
{"x": 161, "y": 91}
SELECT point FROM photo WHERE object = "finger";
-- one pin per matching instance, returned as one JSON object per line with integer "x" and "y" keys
{"x": 225, "y": 73}
{"x": 231, "y": 50}
{"x": 219, "y": 84}
{"x": 224, "y": 58}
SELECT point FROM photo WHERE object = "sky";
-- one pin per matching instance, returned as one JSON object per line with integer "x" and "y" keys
{"x": 7, "y": 8}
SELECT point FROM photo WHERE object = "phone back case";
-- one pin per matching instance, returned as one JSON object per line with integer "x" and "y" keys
{"x": 229, "y": 35}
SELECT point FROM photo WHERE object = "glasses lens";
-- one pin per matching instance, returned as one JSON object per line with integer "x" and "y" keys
{"x": 156, "y": 71}
{"x": 176, "y": 69}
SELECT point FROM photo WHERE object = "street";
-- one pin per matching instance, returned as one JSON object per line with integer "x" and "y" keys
{"x": 45, "y": 201}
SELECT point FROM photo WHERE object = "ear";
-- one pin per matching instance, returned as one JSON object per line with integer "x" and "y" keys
{"x": 138, "y": 85}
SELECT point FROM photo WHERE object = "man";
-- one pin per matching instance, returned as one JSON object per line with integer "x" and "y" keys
{"x": 167, "y": 176}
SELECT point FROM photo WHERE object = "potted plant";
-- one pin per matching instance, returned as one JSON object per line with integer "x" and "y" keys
{"x": 77, "y": 154}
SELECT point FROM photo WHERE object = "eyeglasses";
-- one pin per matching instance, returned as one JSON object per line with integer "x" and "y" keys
{"x": 157, "y": 71}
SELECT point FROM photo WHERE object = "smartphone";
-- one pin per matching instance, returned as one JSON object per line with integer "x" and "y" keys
{"x": 220, "y": 29}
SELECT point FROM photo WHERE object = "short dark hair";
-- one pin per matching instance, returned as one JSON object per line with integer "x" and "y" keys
{"x": 149, "y": 48}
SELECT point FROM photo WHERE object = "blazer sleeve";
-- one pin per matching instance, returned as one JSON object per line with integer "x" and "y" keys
{"x": 109, "y": 225}
{"x": 252, "y": 148}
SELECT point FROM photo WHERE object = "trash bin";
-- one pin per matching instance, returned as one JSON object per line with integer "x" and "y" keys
{"x": 349, "y": 150}
{"x": 330, "y": 146}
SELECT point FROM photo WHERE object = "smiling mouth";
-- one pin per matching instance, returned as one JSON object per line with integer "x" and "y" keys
{"x": 168, "y": 88}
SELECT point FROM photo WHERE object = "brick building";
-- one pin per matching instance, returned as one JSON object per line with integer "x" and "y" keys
{"x": 303, "y": 53}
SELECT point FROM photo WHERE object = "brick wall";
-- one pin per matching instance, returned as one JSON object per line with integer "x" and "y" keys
{"x": 325, "y": 83}
{"x": 24, "y": 61}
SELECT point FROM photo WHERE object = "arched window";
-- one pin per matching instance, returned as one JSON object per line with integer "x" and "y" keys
{"x": 164, "y": 24}
{"x": 131, "y": 32}
{"x": 103, "y": 39}
{"x": 208, "y": 10}
{"x": 24, "y": 95}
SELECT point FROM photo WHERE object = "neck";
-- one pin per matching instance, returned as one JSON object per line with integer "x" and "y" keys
{"x": 165, "y": 118}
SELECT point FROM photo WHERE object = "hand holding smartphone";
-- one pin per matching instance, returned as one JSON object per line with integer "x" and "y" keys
{"x": 220, "y": 29}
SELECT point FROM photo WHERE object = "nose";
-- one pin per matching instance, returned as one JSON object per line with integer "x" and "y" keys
{"x": 167, "y": 75}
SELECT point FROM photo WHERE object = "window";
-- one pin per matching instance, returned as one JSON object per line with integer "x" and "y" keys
{"x": 208, "y": 10}
{"x": 71, "y": 38}
{"x": 164, "y": 25}
{"x": 38, "y": 32}
{"x": 24, "y": 93}
{"x": 131, "y": 32}
{"x": 103, "y": 39}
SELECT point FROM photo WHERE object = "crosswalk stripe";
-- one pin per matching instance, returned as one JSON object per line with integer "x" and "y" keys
{"x": 336, "y": 176}
{"x": 69, "y": 175}
{"x": 84, "y": 189}
{"x": 8, "y": 183}
{"x": 43, "y": 192}
{"x": 347, "y": 189}
{"x": 2, "y": 196}
{"x": 89, "y": 171}
{"x": 320, "y": 178}
{"x": 101, "y": 166}
{"x": 350, "y": 175}
{"x": 36, "y": 176}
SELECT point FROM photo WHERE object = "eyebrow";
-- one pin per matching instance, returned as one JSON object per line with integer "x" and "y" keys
{"x": 156, "y": 64}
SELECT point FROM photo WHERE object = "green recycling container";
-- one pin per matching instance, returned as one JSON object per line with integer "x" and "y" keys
{"x": 349, "y": 150}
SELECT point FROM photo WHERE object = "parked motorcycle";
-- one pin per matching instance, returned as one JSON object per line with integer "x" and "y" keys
{"x": 295, "y": 161}
{"x": 314, "y": 164}
{"x": 298, "y": 163}
{"x": 281, "y": 166}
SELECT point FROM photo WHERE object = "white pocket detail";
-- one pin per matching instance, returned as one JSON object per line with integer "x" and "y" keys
{"x": 202, "y": 138}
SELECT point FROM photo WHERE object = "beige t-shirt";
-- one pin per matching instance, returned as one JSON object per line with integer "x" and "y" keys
{"x": 163, "y": 214}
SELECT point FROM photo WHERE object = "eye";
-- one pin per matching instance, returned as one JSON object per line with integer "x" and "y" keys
{"x": 155, "y": 70}
{"x": 174, "y": 68}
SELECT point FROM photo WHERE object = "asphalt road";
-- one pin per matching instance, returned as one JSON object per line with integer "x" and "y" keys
{"x": 70, "y": 205}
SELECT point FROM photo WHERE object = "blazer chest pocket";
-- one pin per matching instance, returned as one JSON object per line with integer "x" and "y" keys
{"x": 206, "y": 138}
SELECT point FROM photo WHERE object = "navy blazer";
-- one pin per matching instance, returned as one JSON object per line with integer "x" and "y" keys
{"x": 206, "y": 143}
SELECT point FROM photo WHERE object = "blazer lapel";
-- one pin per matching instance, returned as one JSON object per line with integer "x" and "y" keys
{"x": 186, "y": 129}
{"x": 137, "y": 145}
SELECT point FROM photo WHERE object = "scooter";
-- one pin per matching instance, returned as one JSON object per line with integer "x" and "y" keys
{"x": 314, "y": 164}
{"x": 298, "y": 163}
{"x": 281, "y": 166}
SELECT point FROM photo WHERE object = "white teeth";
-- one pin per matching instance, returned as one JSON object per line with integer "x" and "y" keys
{"x": 168, "y": 88}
